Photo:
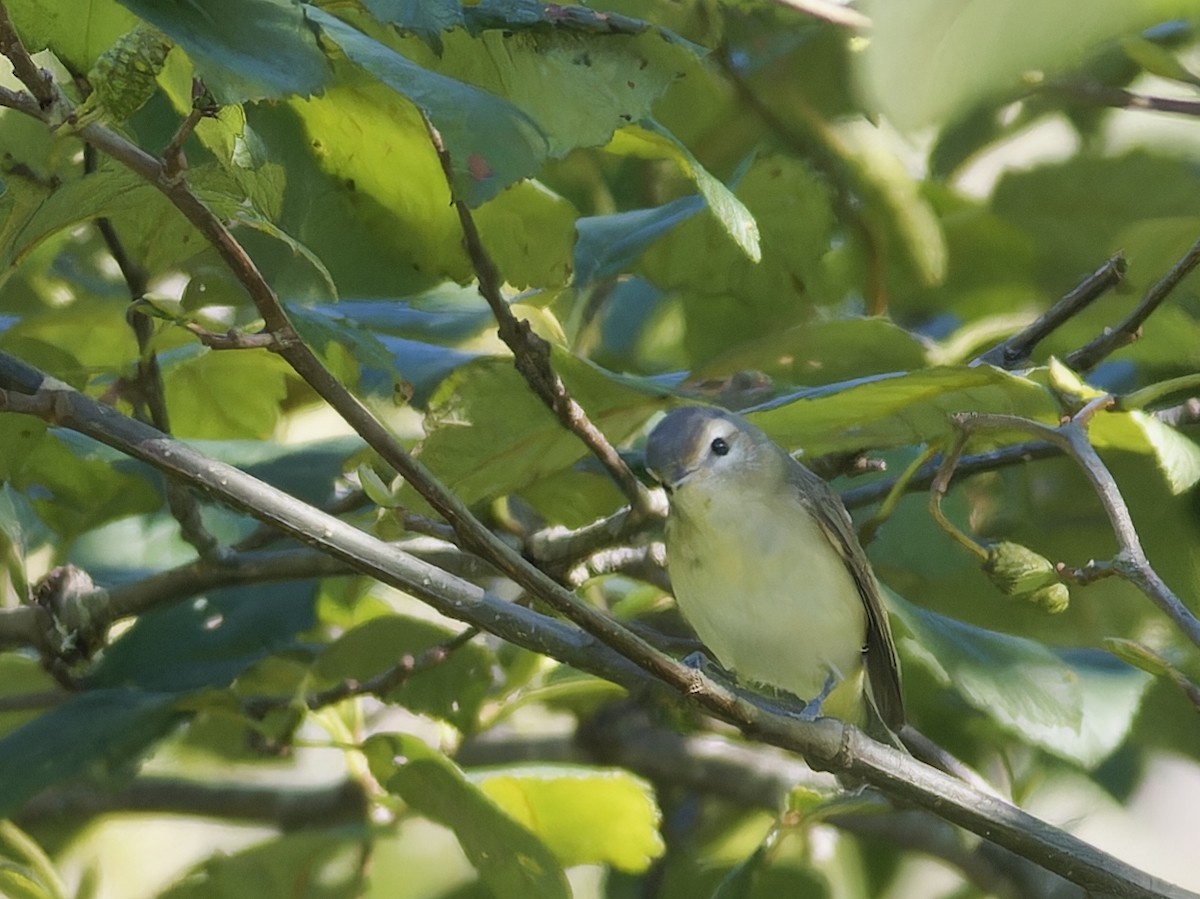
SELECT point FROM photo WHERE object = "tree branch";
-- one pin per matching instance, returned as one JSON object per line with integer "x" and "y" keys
{"x": 531, "y": 354}
{"x": 286, "y": 808}
{"x": 1130, "y": 562}
{"x": 38, "y": 81}
{"x": 149, "y": 393}
{"x": 1015, "y": 351}
{"x": 1088, "y": 357}
{"x": 826, "y": 743}
{"x": 472, "y": 533}
{"x": 1106, "y": 95}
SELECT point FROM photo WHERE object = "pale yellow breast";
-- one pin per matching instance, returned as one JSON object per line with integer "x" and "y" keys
{"x": 763, "y": 589}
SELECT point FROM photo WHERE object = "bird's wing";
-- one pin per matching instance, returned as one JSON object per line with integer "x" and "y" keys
{"x": 883, "y": 669}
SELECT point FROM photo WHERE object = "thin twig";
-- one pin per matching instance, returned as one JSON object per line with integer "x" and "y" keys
{"x": 1019, "y": 454}
{"x": 1015, "y": 351}
{"x": 148, "y": 390}
{"x": 1106, "y": 95}
{"x": 283, "y": 807}
{"x": 531, "y": 353}
{"x": 20, "y": 101}
{"x": 174, "y": 160}
{"x": 828, "y": 11}
{"x": 231, "y": 339}
{"x": 1130, "y": 562}
{"x": 1186, "y": 413}
{"x": 38, "y": 81}
{"x": 379, "y": 686}
{"x": 1088, "y": 357}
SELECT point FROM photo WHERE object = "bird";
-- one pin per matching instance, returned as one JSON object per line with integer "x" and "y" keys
{"x": 767, "y": 569}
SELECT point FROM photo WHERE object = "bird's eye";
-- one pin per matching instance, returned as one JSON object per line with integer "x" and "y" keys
{"x": 719, "y": 446}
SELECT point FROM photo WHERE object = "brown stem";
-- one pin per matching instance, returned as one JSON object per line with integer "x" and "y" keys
{"x": 531, "y": 354}
{"x": 1015, "y": 351}
{"x": 1088, "y": 357}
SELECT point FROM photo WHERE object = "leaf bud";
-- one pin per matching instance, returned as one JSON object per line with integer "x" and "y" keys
{"x": 1017, "y": 569}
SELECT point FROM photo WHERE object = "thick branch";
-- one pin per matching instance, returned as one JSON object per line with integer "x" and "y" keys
{"x": 473, "y": 534}
{"x": 826, "y": 743}
{"x": 285, "y": 808}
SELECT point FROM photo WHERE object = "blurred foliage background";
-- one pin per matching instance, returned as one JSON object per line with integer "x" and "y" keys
{"x": 817, "y": 213}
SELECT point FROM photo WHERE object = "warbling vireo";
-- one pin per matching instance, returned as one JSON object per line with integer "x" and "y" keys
{"x": 767, "y": 569}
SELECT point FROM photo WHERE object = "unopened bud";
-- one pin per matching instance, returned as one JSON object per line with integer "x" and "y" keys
{"x": 1053, "y": 598}
{"x": 1017, "y": 569}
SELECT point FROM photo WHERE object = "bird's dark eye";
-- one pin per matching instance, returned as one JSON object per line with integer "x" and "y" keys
{"x": 719, "y": 446}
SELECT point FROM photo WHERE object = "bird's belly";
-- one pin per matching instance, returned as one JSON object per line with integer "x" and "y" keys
{"x": 768, "y": 596}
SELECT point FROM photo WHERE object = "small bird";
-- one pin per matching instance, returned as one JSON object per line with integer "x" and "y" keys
{"x": 767, "y": 569}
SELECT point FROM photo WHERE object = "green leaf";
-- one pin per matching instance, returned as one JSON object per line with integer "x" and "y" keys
{"x": 77, "y": 32}
{"x": 900, "y": 409}
{"x": 513, "y": 440}
{"x": 427, "y": 19}
{"x": 314, "y": 864}
{"x": 513, "y": 862}
{"x": 491, "y": 143}
{"x": 1178, "y": 456}
{"x": 212, "y": 638}
{"x": 102, "y": 732}
{"x": 652, "y": 140}
{"x": 604, "y": 79}
{"x": 1075, "y": 226}
{"x": 892, "y": 198}
{"x": 243, "y": 49}
{"x": 969, "y": 50}
{"x": 207, "y": 394}
{"x": 74, "y": 487}
{"x": 108, "y": 191}
{"x": 124, "y": 78}
{"x": 823, "y": 352}
{"x": 725, "y": 297}
{"x": 33, "y": 874}
{"x": 609, "y": 244}
{"x": 453, "y": 689}
{"x": 584, "y": 815}
{"x": 21, "y": 674}
{"x": 1078, "y": 704}
{"x": 529, "y": 233}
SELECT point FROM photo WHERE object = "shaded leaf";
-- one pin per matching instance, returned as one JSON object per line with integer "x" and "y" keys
{"x": 899, "y": 409}
{"x": 100, "y": 732}
{"x": 243, "y": 49}
{"x": 1077, "y": 703}
{"x": 610, "y": 244}
{"x": 652, "y": 139}
{"x": 452, "y": 689}
{"x": 513, "y": 862}
{"x": 212, "y": 638}
{"x": 491, "y": 143}
{"x": 427, "y": 19}
{"x": 488, "y": 435}
{"x": 315, "y": 864}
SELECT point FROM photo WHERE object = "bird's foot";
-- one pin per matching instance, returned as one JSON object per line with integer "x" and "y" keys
{"x": 812, "y": 708}
{"x": 702, "y": 664}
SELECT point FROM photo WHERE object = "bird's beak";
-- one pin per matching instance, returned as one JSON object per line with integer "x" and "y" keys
{"x": 671, "y": 475}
